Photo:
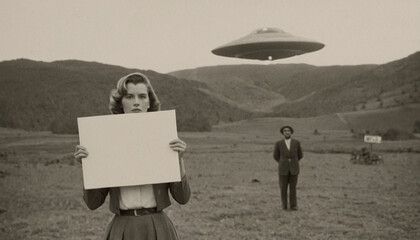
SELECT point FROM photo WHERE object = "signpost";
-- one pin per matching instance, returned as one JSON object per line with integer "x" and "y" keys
{"x": 372, "y": 139}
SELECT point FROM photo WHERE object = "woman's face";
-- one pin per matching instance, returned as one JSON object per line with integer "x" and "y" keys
{"x": 136, "y": 100}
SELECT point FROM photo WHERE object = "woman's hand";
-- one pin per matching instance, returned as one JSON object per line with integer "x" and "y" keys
{"x": 80, "y": 153}
{"x": 179, "y": 146}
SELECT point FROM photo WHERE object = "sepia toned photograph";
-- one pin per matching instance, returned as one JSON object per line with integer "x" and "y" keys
{"x": 260, "y": 120}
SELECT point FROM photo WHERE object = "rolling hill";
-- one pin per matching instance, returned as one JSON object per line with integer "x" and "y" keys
{"x": 366, "y": 97}
{"x": 44, "y": 96}
{"x": 300, "y": 90}
{"x": 271, "y": 85}
{"x": 394, "y": 84}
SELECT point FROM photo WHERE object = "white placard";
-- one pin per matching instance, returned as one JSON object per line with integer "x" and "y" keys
{"x": 129, "y": 149}
{"x": 373, "y": 139}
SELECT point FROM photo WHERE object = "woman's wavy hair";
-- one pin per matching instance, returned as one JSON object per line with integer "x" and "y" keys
{"x": 116, "y": 96}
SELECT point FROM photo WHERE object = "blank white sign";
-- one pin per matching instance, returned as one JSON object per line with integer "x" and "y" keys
{"x": 129, "y": 149}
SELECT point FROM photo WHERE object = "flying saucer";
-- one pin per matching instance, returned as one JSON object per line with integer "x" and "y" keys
{"x": 268, "y": 44}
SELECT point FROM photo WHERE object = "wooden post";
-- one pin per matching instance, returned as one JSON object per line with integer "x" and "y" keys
{"x": 371, "y": 149}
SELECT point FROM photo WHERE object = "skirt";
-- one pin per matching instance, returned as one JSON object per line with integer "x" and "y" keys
{"x": 155, "y": 226}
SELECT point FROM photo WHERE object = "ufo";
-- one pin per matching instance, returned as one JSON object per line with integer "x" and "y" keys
{"x": 268, "y": 44}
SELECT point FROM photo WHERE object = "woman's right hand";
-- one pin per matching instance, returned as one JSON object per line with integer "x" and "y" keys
{"x": 80, "y": 153}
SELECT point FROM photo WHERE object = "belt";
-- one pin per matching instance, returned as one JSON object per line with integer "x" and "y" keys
{"x": 138, "y": 212}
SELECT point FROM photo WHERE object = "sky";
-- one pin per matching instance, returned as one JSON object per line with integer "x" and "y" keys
{"x": 170, "y": 35}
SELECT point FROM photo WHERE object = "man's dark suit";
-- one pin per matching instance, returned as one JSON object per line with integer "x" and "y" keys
{"x": 288, "y": 161}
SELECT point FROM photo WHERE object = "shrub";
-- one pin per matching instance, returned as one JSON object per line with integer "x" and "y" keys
{"x": 416, "y": 128}
{"x": 395, "y": 134}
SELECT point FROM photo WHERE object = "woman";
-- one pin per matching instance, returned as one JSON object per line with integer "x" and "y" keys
{"x": 138, "y": 209}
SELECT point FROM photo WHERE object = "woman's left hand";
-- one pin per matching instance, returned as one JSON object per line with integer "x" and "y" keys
{"x": 179, "y": 146}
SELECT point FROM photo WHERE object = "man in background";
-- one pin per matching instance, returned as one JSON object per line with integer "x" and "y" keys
{"x": 288, "y": 153}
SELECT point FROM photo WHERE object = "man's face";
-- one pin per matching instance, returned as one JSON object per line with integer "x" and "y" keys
{"x": 287, "y": 133}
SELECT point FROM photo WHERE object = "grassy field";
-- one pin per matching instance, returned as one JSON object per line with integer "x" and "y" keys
{"x": 235, "y": 193}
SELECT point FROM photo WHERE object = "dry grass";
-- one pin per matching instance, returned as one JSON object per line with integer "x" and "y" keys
{"x": 235, "y": 192}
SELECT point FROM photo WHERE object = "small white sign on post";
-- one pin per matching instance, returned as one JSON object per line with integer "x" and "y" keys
{"x": 373, "y": 139}
{"x": 129, "y": 149}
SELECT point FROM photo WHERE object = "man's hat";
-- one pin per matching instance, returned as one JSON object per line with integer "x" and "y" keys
{"x": 289, "y": 127}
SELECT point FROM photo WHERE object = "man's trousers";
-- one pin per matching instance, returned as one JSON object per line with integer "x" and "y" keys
{"x": 291, "y": 182}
